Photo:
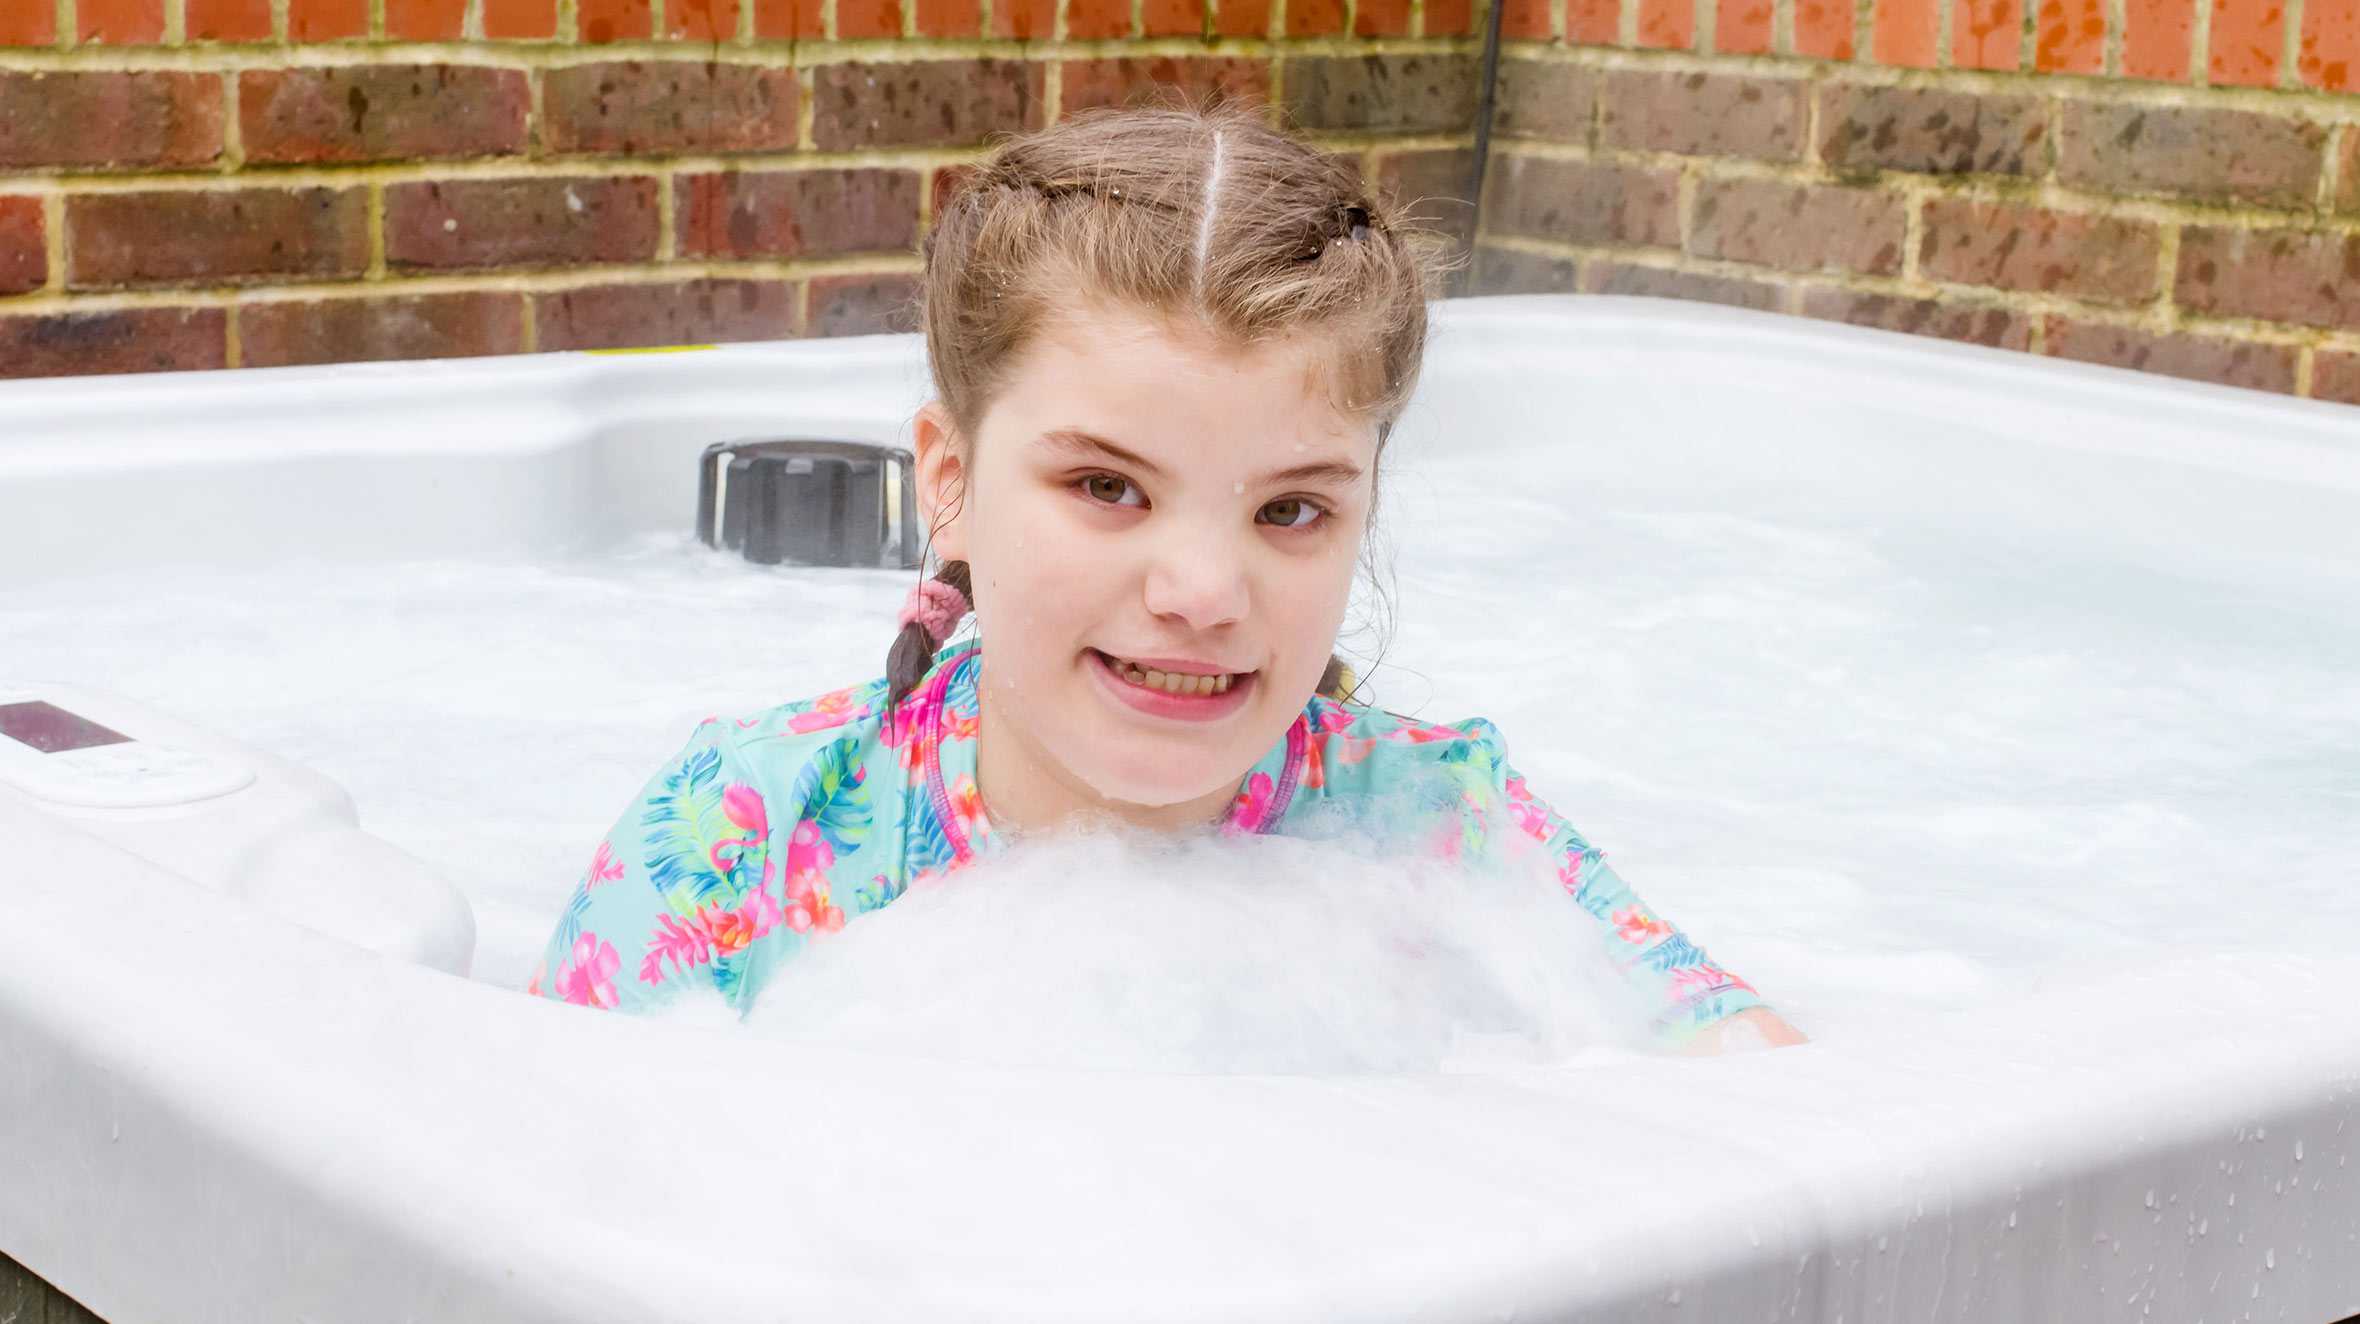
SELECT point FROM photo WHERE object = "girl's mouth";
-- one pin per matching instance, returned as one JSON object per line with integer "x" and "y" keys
{"x": 1191, "y": 696}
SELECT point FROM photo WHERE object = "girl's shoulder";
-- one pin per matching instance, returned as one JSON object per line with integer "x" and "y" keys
{"x": 1356, "y": 749}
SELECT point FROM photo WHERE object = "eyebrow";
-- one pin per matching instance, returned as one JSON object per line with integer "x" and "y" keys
{"x": 1076, "y": 441}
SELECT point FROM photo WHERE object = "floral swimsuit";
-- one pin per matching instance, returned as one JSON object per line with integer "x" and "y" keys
{"x": 769, "y": 832}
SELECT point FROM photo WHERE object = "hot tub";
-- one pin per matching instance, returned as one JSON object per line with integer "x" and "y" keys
{"x": 1996, "y": 716}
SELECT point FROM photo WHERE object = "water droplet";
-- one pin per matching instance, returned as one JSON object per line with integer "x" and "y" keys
{"x": 2270, "y": 1258}
{"x": 1237, "y": 489}
{"x": 2011, "y": 1218}
{"x": 2298, "y": 1151}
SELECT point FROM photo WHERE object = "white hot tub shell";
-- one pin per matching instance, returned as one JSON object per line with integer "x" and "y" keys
{"x": 240, "y": 1087}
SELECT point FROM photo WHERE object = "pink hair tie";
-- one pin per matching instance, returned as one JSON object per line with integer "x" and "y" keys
{"x": 936, "y": 606}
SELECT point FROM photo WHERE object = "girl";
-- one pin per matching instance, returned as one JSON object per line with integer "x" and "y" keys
{"x": 1169, "y": 346}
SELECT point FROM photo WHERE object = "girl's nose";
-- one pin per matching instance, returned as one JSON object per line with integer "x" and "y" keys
{"x": 1197, "y": 584}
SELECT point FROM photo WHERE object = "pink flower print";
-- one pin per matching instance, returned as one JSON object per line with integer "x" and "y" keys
{"x": 1330, "y": 719}
{"x": 809, "y": 856}
{"x": 1253, "y": 803}
{"x": 957, "y": 725}
{"x": 1636, "y": 926}
{"x": 1315, "y": 762}
{"x": 1529, "y": 815}
{"x": 604, "y": 867}
{"x": 1419, "y": 733}
{"x": 967, "y": 804}
{"x": 587, "y": 977}
{"x": 533, "y": 986}
{"x": 743, "y": 805}
{"x": 1692, "y": 981}
{"x": 828, "y": 711}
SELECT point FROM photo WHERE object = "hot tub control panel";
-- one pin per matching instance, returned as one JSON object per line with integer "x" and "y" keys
{"x": 56, "y": 752}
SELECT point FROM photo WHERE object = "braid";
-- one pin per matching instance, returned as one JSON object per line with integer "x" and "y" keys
{"x": 913, "y": 649}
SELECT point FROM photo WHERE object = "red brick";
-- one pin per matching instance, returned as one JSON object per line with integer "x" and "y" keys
{"x": 520, "y": 20}
{"x": 867, "y": 20}
{"x": 1704, "y": 114}
{"x": 24, "y": 245}
{"x": 1449, "y": 18}
{"x": 2194, "y": 151}
{"x": 696, "y": 312}
{"x": 2280, "y": 275}
{"x": 2348, "y": 173}
{"x": 1527, "y": 19}
{"x": 382, "y": 112}
{"x": 2330, "y": 58}
{"x": 1383, "y": 93}
{"x": 800, "y": 20}
{"x": 1610, "y": 277}
{"x": 135, "y": 340}
{"x": 1930, "y": 131}
{"x": 96, "y": 118}
{"x": 797, "y": 213}
{"x": 122, "y": 22}
{"x": 2071, "y": 37}
{"x": 2157, "y": 39}
{"x": 863, "y": 305}
{"x": 1304, "y": 18}
{"x": 604, "y": 21}
{"x": 228, "y": 20}
{"x": 2173, "y": 354}
{"x": 1512, "y": 271}
{"x": 701, "y": 20}
{"x": 1908, "y": 33}
{"x": 2335, "y": 375}
{"x": 1095, "y": 19}
{"x": 1744, "y": 27}
{"x": 632, "y": 107}
{"x": 2021, "y": 247}
{"x": 441, "y": 20}
{"x": 2247, "y": 36}
{"x": 1151, "y": 79}
{"x": 462, "y": 224}
{"x": 1432, "y": 185}
{"x": 187, "y": 237}
{"x": 1997, "y": 327}
{"x": 1583, "y": 202}
{"x": 419, "y": 326}
{"x": 1375, "y": 18}
{"x": 949, "y": 18}
{"x": 1545, "y": 99}
{"x": 1593, "y": 22}
{"x": 1667, "y": 24}
{"x": 1823, "y": 28}
{"x": 27, "y": 25}
{"x": 1986, "y": 34}
{"x": 936, "y": 103}
{"x": 1036, "y": 20}
{"x": 1799, "y": 227}
{"x": 327, "y": 20}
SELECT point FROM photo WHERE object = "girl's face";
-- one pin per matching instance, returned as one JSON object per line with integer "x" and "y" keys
{"x": 1145, "y": 498}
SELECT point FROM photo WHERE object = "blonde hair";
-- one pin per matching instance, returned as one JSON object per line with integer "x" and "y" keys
{"x": 1182, "y": 211}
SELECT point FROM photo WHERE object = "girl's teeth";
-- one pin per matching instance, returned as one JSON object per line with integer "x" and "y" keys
{"x": 1172, "y": 682}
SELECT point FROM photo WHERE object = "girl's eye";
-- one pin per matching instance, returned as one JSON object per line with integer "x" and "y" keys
{"x": 1292, "y": 513}
{"x": 1111, "y": 490}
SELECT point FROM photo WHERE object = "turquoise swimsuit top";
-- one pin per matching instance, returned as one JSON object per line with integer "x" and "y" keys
{"x": 770, "y": 832}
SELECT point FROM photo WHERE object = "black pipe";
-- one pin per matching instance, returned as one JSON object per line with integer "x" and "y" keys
{"x": 1486, "y": 97}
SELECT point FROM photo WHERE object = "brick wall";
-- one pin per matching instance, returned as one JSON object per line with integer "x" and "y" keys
{"x": 217, "y": 183}
{"x": 2171, "y": 185}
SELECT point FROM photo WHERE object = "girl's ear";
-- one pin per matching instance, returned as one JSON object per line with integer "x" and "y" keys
{"x": 942, "y": 480}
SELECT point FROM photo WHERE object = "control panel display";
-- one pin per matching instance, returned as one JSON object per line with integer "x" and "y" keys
{"x": 52, "y": 730}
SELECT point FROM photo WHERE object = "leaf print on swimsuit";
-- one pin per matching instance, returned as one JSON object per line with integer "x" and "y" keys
{"x": 704, "y": 839}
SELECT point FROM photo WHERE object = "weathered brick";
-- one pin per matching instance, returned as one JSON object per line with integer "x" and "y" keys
{"x": 24, "y": 245}
{"x": 439, "y": 20}
{"x": 101, "y": 119}
{"x": 1378, "y": 18}
{"x": 2247, "y": 37}
{"x": 1799, "y": 227}
{"x": 855, "y": 305}
{"x": 2000, "y": 327}
{"x": 327, "y": 20}
{"x": 133, "y": 340}
{"x": 931, "y": 103}
{"x": 948, "y": 180}
{"x": 2071, "y": 37}
{"x": 802, "y": 20}
{"x": 1239, "y": 18}
{"x": 1432, "y": 183}
{"x": 1667, "y": 24}
{"x": 1823, "y": 28}
{"x": 858, "y": 20}
{"x": 1383, "y": 93}
{"x": 1703, "y": 114}
{"x": 797, "y": 213}
{"x": 1744, "y": 27}
{"x": 949, "y": 18}
{"x": 1035, "y": 20}
{"x": 27, "y": 25}
{"x": 1314, "y": 18}
{"x": 2347, "y": 192}
{"x": 1095, "y": 20}
{"x": 696, "y": 312}
{"x": 120, "y": 22}
{"x": 1511, "y": 271}
{"x": 2335, "y": 375}
{"x": 1544, "y": 100}
{"x": 1986, "y": 34}
{"x": 2157, "y": 38}
{"x": 1584, "y": 202}
{"x": 187, "y": 237}
{"x": 2282, "y": 275}
{"x": 1153, "y": 80}
{"x": 2194, "y": 151}
{"x": 2021, "y": 247}
{"x": 1591, "y": 22}
{"x": 700, "y": 20}
{"x": 1449, "y": 18}
{"x": 1908, "y": 33}
{"x": 520, "y": 20}
{"x": 228, "y": 20}
{"x": 603, "y": 21}
{"x": 1929, "y": 131}
{"x": 1527, "y": 20}
{"x": 631, "y": 107}
{"x": 382, "y": 112}
{"x": 2175, "y": 354}
{"x": 419, "y": 326}
{"x": 1609, "y": 277}
{"x": 458, "y": 224}
{"x": 2330, "y": 56}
